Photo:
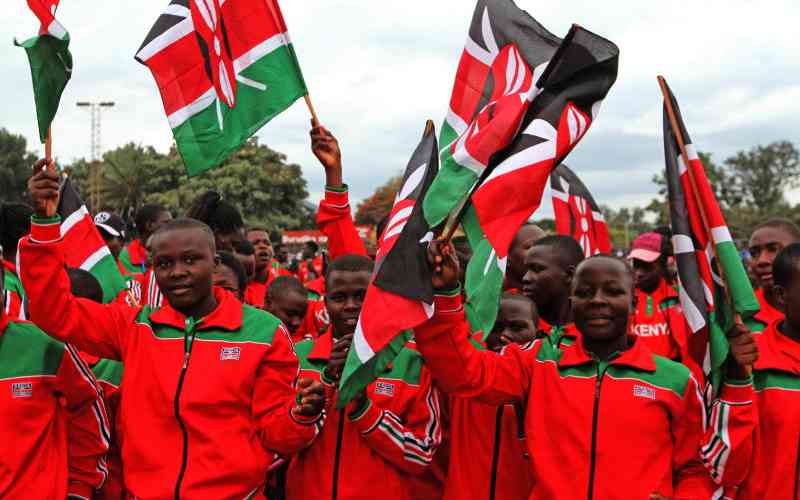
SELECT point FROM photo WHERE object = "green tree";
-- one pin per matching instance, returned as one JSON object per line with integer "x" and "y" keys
{"x": 15, "y": 166}
{"x": 379, "y": 204}
{"x": 625, "y": 224}
{"x": 763, "y": 174}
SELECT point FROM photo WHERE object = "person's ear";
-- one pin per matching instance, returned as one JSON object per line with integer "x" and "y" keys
{"x": 569, "y": 273}
{"x": 780, "y": 296}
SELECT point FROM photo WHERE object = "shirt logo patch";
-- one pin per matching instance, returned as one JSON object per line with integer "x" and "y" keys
{"x": 229, "y": 354}
{"x": 384, "y": 388}
{"x": 644, "y": 392}
{"x": 21, "y": 390}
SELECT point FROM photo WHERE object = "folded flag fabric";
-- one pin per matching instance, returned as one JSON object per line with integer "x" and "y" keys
{"x": 50, "y": 60}
{"x": 522, "y": 99}
{"x": 576, "y": 213}
{"x": 224, "y": 69}
{"x": 400, "y": 296}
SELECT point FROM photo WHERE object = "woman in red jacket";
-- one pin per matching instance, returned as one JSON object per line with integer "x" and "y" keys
{"x": 605, "y": 417}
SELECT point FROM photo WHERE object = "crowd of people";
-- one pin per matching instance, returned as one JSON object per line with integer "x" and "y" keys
{"x": 215, "y": 373}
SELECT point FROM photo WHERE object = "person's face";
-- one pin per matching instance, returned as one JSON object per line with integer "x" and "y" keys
{"x": 344, "y": 297}
{"x": 161, "y": 219}
{"x": 602, "y": 300}
{"x": 308, "y": 252}
{"x": 183, "y": 263}
{"x": 765, "y": 244}
{"x": 282, "y": 255}
{"x": 545, "y": 278}
{"x": 226, "y": 241}
{"x": 264, "y": 253}
{"x": 224, "y": 277}
{"x": 114, "y": 244}
{"x": 516, "y": 323}
{"x": 523, "y": 241}
{"x": 248, "y": 262}
{"x": 647, "y": 275}
{"x": 288, "y": 307}
{"x": 788, "y": 299}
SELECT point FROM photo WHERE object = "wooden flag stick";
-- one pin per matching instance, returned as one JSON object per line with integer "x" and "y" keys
{"x": 673, "y": 121}
{"x": 51, "y": 206}
{"x": 314, "y": 119}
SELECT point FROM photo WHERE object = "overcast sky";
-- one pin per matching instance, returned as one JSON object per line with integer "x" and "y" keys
{"x": 377, "y": 70}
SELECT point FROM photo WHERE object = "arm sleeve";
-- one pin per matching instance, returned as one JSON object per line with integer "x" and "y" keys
{"x": 407, "y": 441}
{"x": 95, "y": 328}
{"x": 728, "y": 444}
{"x": 460, "y": 369}
{"x": 274, "y": 395}
{"x": 336, "y": 222}
{"x": 691, "y": 480}
{"x": 88, "y": 428}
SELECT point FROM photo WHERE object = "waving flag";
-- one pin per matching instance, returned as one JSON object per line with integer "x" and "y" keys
{"x": 224, "y": 69}
{"x": 85, "y": 247}
{"x": 577, "y": 214}
{"x": 700, "y": 236}
{"x": 50, "y": 60}
{"x": 522, "y": 99}
{"x": 400, "y": 296}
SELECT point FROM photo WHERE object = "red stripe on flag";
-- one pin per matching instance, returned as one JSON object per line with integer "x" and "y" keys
{"x": 179, "y": 74}
{"x": 83, "y": 240}
{"x": 44, "y": 10}
{"x": 468, "y": 89}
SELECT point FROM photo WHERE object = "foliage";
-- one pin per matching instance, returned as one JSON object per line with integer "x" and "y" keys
{"x": 376, "y": 207}
{"x": 15, "y": 166}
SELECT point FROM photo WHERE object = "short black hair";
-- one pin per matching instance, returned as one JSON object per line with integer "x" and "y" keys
{"x": 312, "y": 245}
{"x": 244, "y": 247}
{"x": 566, "y": 247}
{"x": 259, "y": 228}
{"x": 228, "y": 260}
{"x": 350, "y": 263}
{"x": 146, "y": 214}
{"x": 781, "y": 224}
{"x": 785, "y": 265}
{"x": 604, "y": 256}
{"x": 186, "y": 223}
{"x": 15, "y": 223}
{"x": 83, "y": 284}
{"x": 221, "y": 216}
{"x": 518, "y": 297}
{"x": 285, "y": 284}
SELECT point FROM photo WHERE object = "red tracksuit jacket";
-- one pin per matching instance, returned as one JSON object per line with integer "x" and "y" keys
{"x": 753, "y": 441}
{"x": 204, "y": 403}
{"x": 659, "y": 321}
{"x": 336, "y": 222}
{"x": 53, "y": 418}
{"x": 369, "y": 452}
{"x": 13, "y": 292}
{"x": 598, "y": 430}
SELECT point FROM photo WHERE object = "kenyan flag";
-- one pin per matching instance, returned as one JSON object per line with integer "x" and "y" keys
{"x": 523, "y": 98}
{"x": 577, "y": 214}
{"x": 224, "y": 69}
{"x": 50, "y": 60}
{"x": 85, "y": 248}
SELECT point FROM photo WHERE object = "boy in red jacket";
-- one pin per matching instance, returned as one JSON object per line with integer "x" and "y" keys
{"x": 753, "y": 442}
{"x": 489, "y": 458}
{"x": 605, "y": 417}
{"x": 392, "y": 430}
{"x": 213, "y": 392}
{"x": 50, "y": 448}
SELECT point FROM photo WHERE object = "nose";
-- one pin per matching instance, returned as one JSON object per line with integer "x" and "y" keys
{"x": 527, "y": 278}
{"x": 352, "y": 303}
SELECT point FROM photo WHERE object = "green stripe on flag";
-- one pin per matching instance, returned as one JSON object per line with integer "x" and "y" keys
{"x": 107, "y": 273}
{"x": 357, "y": 374}
{"x": 744, "y": 299}
{"x": 484, "y": 278}
{"x": 199, "y": 139}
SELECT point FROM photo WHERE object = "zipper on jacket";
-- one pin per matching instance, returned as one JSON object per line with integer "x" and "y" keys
{"x": 339, "y": 432}
{"x": 188, "y": 341}
{"x": 496, "y": 452}
{"x": 593, "y": 464}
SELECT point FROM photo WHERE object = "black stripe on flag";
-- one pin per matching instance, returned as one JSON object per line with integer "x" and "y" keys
{"x": 168, "y": 19}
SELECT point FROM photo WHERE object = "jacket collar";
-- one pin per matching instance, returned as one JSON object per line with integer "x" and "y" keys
{"x": 766, "y": 314}
{"x": 227, "y": 315}
{"x": 322, "y": 346}
{"x": 637, "y": 356}
{"x": 776, "y": 351}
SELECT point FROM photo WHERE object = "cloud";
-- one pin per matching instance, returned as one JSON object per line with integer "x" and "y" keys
{"x": 377, "y": 70}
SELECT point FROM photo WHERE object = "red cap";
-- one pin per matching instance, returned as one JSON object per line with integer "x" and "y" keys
{"x": 647, "y": 247}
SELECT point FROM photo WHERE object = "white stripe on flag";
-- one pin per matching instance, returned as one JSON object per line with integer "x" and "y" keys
{"x": 598, "y": 217}
{"x": 693, "y": 316}
{"x": 363, "y": 350}
{"x": 540, "y": 152}
{"x": 174, "y": 9}
{"x": 561, "y": 195}
{"x": 73, "y": 219}
{"x": 57, "y": 30}
{"x": 456, "y": 123}
{"x": 478, "y": 52}
{"x": 256, "y": 53}
{"x": 178, "y": 117}
{"x": 93, "y": 259}
{"x": 682, "y": 244}
{"x": 166, "y": 39}
{"x": 721, "y": 234}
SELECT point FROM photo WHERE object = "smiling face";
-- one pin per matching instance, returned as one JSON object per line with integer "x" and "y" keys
{"x": 765, "y": 244}
{"x": 263, "y": 246}
{"x": 344, "y": 298}
{"x": 602, "y": 299}
{"x": 183, "y": 263}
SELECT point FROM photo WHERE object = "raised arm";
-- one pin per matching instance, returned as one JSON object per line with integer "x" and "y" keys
{"x": 334, "y": 217}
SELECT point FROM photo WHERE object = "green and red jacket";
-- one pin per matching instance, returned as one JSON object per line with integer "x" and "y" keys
{"x": 13, "y": 291}
{"x": 766, "y": 315}
{"x": 599, "y": 430}
{"x": 335, "y": 221}
{"x": 659, "y": 321}
{"x": 205, "y": 403}
{"x": 53, "y": 417}
{"x": 753, "y": 442}
{"x": 369, "y": 451}
{"x": 133, "y": 257}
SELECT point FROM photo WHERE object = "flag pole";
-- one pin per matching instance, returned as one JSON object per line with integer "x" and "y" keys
{"x": 314, "y": 119}
{"x": 673, "y": 121}
{"x": 50, "y": 206}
